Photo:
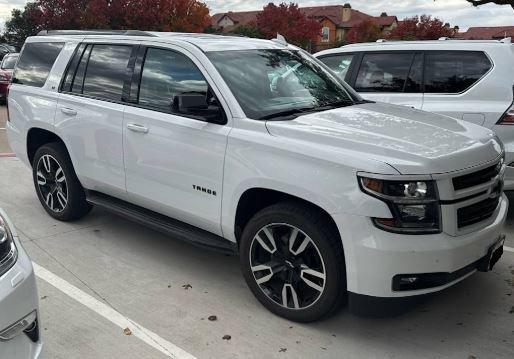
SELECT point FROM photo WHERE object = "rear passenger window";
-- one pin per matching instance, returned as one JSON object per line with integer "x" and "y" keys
{"x": 384, "y": 72}
{"x": 35, "y": 63}
{"x": 167, "y": 75}
{"x": 340, "y": 64}
{"x": 106, "y": 71}
{"x": 454, "y": 71}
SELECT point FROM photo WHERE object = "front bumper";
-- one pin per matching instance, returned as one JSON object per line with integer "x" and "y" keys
{"x": 374, "y": 257}
{"x": 18, "y": 298}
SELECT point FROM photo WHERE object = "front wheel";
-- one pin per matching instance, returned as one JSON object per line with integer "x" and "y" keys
{"x": 57, "y": 185}
{"x": 292, "y": 260}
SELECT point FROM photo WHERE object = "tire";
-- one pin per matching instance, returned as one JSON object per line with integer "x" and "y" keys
{"x": 59, "y": 191}
{"x": 294, "y": 265}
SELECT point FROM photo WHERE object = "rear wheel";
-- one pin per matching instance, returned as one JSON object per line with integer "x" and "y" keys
{"x": 57, "y": 185}
{"x": 293, "y": 262}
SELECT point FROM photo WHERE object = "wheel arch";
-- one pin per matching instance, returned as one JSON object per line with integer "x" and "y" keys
{"x": 254, "y": 199}
{"x": 37, "y": 137}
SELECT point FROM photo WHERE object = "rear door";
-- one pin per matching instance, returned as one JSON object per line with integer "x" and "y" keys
{"x": 89, "y": 116}
{"x": 394, "y": 77}
{"x": 452, "y": 84}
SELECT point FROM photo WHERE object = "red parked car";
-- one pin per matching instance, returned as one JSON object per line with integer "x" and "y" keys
{"x": 6, "y": 69}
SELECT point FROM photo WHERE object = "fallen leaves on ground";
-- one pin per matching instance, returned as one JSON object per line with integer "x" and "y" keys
{"x": 187, "y": 286}
{"x": 127, "y": 331}
{"x": 226, "y": 337}
{"x": 212, "y": 318}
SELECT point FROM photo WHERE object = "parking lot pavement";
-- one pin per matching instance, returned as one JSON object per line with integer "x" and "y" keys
{"x": 169, "y": 289}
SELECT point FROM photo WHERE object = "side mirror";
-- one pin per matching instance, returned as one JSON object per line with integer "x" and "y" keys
{"x": 197, "y": 104}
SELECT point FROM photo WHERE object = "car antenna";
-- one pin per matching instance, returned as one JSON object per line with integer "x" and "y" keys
{"x": 280, "y": 39}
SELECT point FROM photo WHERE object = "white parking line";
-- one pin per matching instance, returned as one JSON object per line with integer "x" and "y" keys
{"x": 149, "y": 337}
{"x": 508, "y": 249}
{"x": 2, "y": 128}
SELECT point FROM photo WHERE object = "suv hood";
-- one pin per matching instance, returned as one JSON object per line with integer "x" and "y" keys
{"x": 411, "y": 141}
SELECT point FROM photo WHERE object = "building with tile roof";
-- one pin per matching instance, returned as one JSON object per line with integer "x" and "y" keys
{"x": 487, "y": 33}
{"x": 336, "y": 20}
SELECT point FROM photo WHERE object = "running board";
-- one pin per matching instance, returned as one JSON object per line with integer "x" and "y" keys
{"x": 161, "y": 223}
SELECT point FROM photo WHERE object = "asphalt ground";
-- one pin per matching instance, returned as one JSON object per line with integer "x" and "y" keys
{"x": 103, "y": 274}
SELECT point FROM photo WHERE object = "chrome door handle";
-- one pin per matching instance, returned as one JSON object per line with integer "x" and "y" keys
{"x": 137, "y": 128}
{"x": 68, "y": 111}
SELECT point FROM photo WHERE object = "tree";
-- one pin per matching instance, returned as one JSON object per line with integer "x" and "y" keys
{"x": 250, "y": 30}
{"x": 366, "y": 31}
{"x": 22, "y": 23}
{"x": 290, "y": 22}
{"x": 157, "y": 15}
{"x": 168, "y": 15}
{"x": 420, "y": 28}
{"x": 497, "y": 2}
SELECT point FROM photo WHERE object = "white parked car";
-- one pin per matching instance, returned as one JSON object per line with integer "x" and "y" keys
{"x": 472, "y": 80}
{"x": 252, "y": 146}
{"x": 19, "y": 330}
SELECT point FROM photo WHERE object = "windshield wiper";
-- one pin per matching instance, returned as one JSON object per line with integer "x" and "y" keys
{"x": 287, "y": 113}
{"x": 336, "y": 104}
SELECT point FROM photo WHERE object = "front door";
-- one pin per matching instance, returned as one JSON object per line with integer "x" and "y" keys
{"x": 174, "y": 159}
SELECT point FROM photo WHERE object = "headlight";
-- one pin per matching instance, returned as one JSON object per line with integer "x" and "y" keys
{"x": 8, "y": 252}
{"x": 413, "y": 204}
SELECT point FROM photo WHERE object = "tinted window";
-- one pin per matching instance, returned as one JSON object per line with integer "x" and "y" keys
{"x": 35, "y": 63}
{"x": 166, "y": 75}
{"x": 454, "y": 71}
{"x": 9, "y": 62}
{"x": 384, "y": 72}
{"x": 70, "y": 73}
{"x": 339, "y": 64}
{"x": 106, "y": 71}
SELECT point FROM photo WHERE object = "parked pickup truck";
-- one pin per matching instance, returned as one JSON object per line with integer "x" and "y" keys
{"x": 253, "y": 147}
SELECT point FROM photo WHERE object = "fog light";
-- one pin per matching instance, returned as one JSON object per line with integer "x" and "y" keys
{"x": 18, "y": 327}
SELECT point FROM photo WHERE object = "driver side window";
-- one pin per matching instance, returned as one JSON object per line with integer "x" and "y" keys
{"x": 170, "y": 79}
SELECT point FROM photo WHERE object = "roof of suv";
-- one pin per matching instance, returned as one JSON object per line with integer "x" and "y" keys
{"x": 443, "y": 43}
{"x": 206, "y": 42}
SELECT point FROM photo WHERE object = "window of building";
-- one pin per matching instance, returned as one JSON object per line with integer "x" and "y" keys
{"x": 35, "y": 63}
{"x": 454, "y": 71}
{"x": 325, "y": 34}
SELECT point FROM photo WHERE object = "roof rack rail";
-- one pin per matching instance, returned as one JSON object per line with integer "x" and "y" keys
{"x": 507, "y": 40}
{"x": 444, "y": 38}
{"x": 94, "y": 32}
{"x": 381, "y": 40}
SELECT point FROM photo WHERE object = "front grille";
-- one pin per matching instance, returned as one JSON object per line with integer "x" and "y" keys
{"x": 477, "y": 212}
{"x": 476, "y": 178}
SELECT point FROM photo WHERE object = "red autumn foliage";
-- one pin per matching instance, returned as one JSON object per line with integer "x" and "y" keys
{"x": 288, "y": 21}
{"x": 366, "y": 31}
{"x": 156, "y": 15}
{"x": 420, "y": 28}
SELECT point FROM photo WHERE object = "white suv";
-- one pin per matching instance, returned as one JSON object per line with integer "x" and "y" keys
{"x": 252, "y": 146}
{"x": 466, "y": 79}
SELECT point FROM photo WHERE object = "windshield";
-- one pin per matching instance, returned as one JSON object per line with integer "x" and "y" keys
{"x": 9, "y": 62}
{"x": 273, "y": 84}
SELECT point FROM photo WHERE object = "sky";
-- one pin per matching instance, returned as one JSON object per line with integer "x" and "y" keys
{"x": 456, "y": 12}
